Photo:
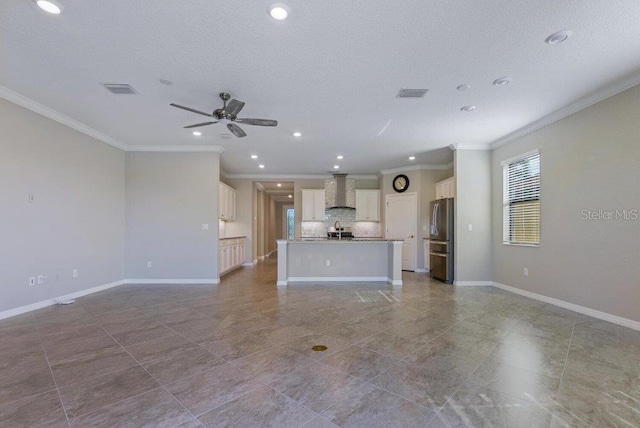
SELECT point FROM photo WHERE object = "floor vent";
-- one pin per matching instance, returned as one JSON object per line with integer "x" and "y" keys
{"x": 120, "y": 88}
{"x": 412, "y": 93}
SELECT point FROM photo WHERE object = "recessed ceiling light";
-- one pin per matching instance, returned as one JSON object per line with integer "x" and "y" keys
{"x": 412, "y": 157}
{"x": 279, "y": 184}
{"x": 336, "y": 167}
{"x": 260, "y": 166}
{"x": 50, "y": 6}
{"x": 467, "y": 108}
{"x": 197, "y": 133}
{"x": 254, "y": 156}
{"x": 278, "y": 11}
{"x": 463, "y": 87}
{"x": 340, "y": 157}
{"x": 501, "y": 81}
{"x": 558, "y": 37}
{"x": 297, "y": 134}
{"x": 291, "y": 196}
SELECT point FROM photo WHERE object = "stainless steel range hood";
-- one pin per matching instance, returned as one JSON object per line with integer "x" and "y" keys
{"x": 340, "y": 192}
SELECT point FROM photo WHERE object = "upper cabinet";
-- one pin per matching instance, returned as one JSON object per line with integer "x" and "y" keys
{"x": 367, "y": 205}
{"x": 226, "y": 202}
{"x": 313, "y": 205}
{"x": 446, "y": 188}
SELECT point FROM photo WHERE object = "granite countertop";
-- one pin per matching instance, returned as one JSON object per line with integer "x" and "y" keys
{"x": 341, "y": 241}
{"x": 233, "y": 237}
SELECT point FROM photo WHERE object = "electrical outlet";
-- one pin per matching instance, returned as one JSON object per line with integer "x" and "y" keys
{"x": 327, "y": 262}
{"x": 57, "y": 278}
{"x": 32, "y": 199}
{"x": 205, "y": 226}
{"x": 32, "y": 281}
{"x": 525, "y": 272}
{"x": 470, "y": 227}
{"x": 41, "y": 279}
{"x": 74, "y": 273}
{"x": 149, "y": 264}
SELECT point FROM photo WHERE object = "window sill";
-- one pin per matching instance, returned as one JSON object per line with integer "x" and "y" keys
{"x": 517, "y": 244}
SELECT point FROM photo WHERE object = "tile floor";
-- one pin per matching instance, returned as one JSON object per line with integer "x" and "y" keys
{"x": 239, "y": 354}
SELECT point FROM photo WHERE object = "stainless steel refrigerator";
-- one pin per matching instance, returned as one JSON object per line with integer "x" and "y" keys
{"x": 441, "y": 240}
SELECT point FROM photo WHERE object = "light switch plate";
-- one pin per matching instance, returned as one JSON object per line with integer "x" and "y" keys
{"x": 470, "y": 227}
{"x": 205, "y": 226}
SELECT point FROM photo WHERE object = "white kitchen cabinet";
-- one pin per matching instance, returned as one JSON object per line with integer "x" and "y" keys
{"x": 446, "y": 188}
{"x": 230, "y": 254}
{"x": 313, "y": 204}
{"x": 367, "y": 205}
{"x": 226, "y": 202}
{"x": 426, "y": 254}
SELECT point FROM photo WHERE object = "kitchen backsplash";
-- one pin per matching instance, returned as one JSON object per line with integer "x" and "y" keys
{"x": 347, "y": 218}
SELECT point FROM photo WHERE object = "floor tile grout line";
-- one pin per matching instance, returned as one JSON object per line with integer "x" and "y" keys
{"x": 153, "y": 377}
{"x": 64, "y": 408}
{"x": 566, "y": 360}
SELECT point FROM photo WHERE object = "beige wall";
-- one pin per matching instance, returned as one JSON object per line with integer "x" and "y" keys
{"x": 77, "y": 220}
{"x": 589, "y": 161}
{"x": 169, "y": 197}
{"x": 473, "y": 249}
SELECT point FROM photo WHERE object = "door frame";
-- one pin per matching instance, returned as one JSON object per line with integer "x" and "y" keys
{"x": 414, "y": 228}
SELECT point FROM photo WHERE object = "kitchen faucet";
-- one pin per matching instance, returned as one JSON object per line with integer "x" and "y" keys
{"x": 338, "y": 228}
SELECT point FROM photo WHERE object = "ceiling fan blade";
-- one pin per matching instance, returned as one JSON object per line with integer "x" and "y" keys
{"x": 197, "y": 125}
{"x": 236, "y": 130}
{"x": 258, "y": 122}
{"x": 191, "y": 109}
{"x": 233, "y": 107}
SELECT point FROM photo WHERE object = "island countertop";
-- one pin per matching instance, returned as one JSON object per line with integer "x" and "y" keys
{"x": 354, "y": 259}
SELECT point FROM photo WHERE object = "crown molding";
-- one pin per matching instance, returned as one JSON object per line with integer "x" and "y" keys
{"x": 416, "y": 168}
{"x": 601, "y": 95}
{"x": 49, "y": 113}
{"x": 284, "y": 177}
{"x": 458, "y": 146}
{"x": 175, "y": 148}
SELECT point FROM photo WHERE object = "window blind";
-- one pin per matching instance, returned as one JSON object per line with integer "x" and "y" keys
{"x": 521, "y": 200}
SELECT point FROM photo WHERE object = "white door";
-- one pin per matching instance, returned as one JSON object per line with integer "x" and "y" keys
{"x": 401, "y": 216}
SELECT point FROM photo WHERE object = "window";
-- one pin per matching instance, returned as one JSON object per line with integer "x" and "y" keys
{"x": 291, "y": 224}
{"x": 521, "y": 200}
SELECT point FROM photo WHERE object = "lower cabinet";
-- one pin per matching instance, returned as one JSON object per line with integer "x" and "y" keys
{"x": 230, "y": 254}
{"x": 426, "y": 255}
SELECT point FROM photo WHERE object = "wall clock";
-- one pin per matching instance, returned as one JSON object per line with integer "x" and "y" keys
{"x": 400, "y": 183}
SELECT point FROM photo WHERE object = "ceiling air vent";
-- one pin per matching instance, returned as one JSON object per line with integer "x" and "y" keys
{"x": 225, "y": 136}
{"x": 120, "y": 88}
{"x": 412, "y": 93}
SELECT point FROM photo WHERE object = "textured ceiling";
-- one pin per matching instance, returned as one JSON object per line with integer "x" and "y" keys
{"x": 330, "y": 71}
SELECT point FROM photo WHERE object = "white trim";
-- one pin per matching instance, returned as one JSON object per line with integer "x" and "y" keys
{"x": 396, "y": 282}
{"x": 572, "y": 307}
{"x": 281, "y": 283}
{"x": 472, "y": 283}
{"x": 415, "y": 168}
{"x": 520, "y": 157}
{"x": 339, "y": 278}
{"x": 421, "y": 271}
{"x": 50, "y": 302}
{"x": 270, "y": 253}
{"x": 47, "y": 112}
{"x": 175, "y": 148}
{"x": 285, "y": 177}
{"x": 172, "y": 281}
{"x": 261, "y": 258}
{"x": 582, "y": 104}
{"x": 458, "y": 146}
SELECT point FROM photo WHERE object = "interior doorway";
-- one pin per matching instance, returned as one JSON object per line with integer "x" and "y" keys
{"x": 290, "y": 223}
{"x": 401, "y": 219}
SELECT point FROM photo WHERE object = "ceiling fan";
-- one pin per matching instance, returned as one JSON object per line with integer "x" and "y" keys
{"x": 228, "y": 113}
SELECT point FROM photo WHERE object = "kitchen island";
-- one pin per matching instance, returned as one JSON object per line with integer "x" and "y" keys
{"x": 318, "y": 260}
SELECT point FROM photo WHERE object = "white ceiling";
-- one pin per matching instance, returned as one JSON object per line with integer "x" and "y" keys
{"x": 330, "y": 71}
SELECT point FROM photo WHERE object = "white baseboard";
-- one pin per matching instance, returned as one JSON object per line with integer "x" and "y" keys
{"x": 261, "y": 258}
{"x": 270, "y": 253}
{"x": 572, "y": 307}
{"x": 338, "y": 279}
{"x": 422, "y": 270}
{"x": 392, "y": 282}
{"x": 250, "y": 264}
{"x": 50, "y": 302}
{"x": 281, "y": 283}
{"x": 472, "y": 283}
{"x": 173, "y": 281}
